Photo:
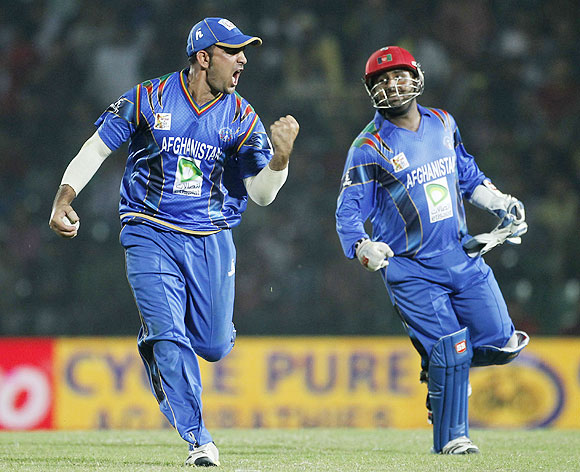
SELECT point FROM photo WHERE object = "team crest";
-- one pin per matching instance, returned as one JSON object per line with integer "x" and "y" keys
{"x": 162, "y": 121}
{"x": 400, "y": 162}
{"x": 226, "y": 135}
{"x": 448, "y": 142}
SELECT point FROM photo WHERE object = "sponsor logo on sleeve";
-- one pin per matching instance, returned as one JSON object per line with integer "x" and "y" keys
{"x": 232, "y": 270}
{"x": 347, "y": 180}
{"x": 115, "y": 107}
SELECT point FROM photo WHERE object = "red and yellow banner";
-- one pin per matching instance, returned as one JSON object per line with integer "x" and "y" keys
{"x": 90, "y": 383}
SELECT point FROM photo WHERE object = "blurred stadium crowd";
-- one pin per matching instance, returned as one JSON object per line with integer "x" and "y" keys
{"x": 507, "y": 70}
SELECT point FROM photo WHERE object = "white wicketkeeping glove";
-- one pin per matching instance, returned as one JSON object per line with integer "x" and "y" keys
{"x": 515, "y": 221}
{"x": 373, "y": 255}
{"x": 509, "y": 229}
{"x": 485, "y": 242}
{"x": 512, "y": 217}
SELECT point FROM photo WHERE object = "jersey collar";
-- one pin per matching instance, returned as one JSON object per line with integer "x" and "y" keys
{"x": 382, "y": 123}
{"x": 198, "y": 110}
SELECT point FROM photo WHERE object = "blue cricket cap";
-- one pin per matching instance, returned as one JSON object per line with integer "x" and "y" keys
{"x": 218, "y": 31}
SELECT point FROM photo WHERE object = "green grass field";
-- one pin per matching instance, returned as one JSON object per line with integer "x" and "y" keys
{"x": 289, "y": 450}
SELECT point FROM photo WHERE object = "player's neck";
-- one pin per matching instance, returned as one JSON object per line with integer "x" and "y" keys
{"x": 408, "y": 119}
{"x": 198, "y": 88}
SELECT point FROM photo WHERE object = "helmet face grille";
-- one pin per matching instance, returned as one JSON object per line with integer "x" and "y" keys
{"x": 396, "y": 92}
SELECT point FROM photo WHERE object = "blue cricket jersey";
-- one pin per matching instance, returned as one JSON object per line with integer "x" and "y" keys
{"x": 409, "y": 184}
{"x": 186, "y": 162}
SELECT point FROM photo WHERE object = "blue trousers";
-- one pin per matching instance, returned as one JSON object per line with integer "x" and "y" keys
{"x": 439, "y": 296}
{"x": 184, "y": 290}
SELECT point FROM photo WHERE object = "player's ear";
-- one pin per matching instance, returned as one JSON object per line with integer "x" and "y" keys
{"x": 203, "y": 58}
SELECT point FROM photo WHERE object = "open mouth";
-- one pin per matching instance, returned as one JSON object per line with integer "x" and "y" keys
{"x": 236, "y": 76}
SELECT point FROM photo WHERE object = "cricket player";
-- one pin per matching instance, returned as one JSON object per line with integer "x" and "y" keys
{"x": 408, "y": 172}
{"x": 197, "y": 150}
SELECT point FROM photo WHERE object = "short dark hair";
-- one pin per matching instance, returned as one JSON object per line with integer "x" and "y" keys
{"x": 193, "y": 58}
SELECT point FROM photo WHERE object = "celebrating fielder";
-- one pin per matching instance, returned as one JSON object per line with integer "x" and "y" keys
{"x": 197, "y": 150}
{"x": 408, "y": 172}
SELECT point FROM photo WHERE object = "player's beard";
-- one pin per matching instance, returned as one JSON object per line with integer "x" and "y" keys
{"x": 397, "y": 112}
{"x": 218, "y": 83}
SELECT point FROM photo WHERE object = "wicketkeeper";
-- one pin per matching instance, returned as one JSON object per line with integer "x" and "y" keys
{"x": 408, "y": 173}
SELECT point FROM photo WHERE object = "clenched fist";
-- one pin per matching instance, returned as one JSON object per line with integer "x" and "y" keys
{"x": 284, "y": 132}
{"x": 63, "y": 219}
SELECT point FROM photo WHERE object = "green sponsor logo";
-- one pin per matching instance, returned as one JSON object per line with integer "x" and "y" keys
{"x": 437, "y": 193}
{"x": 188, "y": 170}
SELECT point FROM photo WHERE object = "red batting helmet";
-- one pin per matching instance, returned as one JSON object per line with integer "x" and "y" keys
{"x": 388, "y": 58}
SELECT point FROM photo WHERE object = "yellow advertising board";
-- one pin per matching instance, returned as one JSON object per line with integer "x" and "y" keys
{"x": 314, "y": 381}
{"x": 540, "y": 388}
{"x": 100, "y": 383}
{"x": 304, "y": 382}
